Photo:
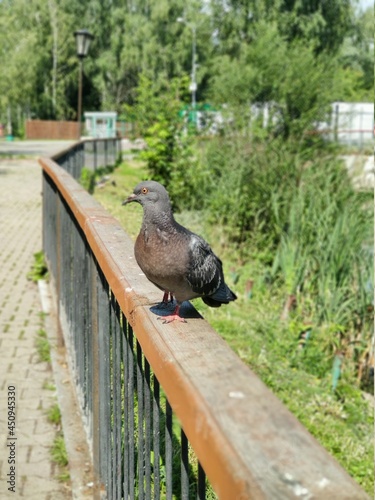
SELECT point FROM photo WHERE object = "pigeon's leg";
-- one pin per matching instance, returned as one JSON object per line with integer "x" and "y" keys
{"x": 165, "y": 302}
{"x": 173, "y": 317}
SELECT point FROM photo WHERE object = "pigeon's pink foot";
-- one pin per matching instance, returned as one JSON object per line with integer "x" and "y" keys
{"x": 173, "y": 317}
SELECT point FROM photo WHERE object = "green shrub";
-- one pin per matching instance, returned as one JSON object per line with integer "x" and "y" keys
{"x": 87, "y": 179}
{"x": 39, "y": 268}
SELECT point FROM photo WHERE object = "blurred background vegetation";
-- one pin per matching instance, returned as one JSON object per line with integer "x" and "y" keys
{"x": 271, "y": 196}
{"x": 293, "y": 52}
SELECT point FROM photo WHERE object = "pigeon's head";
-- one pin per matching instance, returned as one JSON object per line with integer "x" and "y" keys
{"x": 150, "y": 194}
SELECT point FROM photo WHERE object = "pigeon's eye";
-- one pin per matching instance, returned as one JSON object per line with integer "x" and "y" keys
{"x": 144, "y": 190}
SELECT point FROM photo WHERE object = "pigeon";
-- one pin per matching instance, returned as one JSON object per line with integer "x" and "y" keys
{"x": 176, "y": 260}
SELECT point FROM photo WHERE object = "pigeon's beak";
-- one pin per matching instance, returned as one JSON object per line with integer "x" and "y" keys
{"x": 132, "y": 197}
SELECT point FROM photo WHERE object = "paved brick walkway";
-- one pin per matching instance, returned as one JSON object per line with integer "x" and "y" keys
{"x": 20, "y": 320}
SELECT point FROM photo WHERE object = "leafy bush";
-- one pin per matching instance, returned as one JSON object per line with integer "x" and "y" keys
{"x": 39, "y": 268}
{"x": 169, "y": 153}
{"x": 87, "y": 179}
{"x": 295, "y": 210}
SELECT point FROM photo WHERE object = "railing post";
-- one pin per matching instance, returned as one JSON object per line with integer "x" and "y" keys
{"x": 93, "y": 287}
{"x": 100, "y": 314}
{"x": 95, "y": 155}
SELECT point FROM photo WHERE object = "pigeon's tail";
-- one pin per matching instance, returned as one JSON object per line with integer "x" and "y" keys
{"x": 223, "y": 295}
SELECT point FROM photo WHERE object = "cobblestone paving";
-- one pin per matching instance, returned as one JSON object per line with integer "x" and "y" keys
{"x": 20, "y": 320}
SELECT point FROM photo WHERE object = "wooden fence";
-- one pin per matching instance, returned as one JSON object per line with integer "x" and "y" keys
{"x": 48, "y": 129}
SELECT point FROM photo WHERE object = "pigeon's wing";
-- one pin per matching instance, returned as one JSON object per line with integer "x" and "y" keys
{"x": 205, "y": 273}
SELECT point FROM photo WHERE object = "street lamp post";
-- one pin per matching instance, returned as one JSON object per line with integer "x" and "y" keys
{"x": 83, "y": 40}
{"x": 193, "y": 84}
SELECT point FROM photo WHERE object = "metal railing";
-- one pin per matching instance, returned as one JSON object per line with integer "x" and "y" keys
{"x": 90, "y": 153}
{"x": 164, "y": 405}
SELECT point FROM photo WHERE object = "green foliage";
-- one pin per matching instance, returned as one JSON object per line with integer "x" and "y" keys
{"x": 324, "y": 24}
{"x": 37, "y": 50}
{"x": 39, "y": 270}
{"x": 298, "y": 213}
{"x": 58, "y": 451}
{"x": 42, "y": 346}
{"x": 87, "y": 179}
{"x": 356, "y": 55}
{"x": 293, "y": 81}
{"x": 54, "y": 414}
{"x": 169, "y": 153}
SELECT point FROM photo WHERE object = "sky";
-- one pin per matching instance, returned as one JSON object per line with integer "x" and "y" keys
{"x": 364, "y": 4}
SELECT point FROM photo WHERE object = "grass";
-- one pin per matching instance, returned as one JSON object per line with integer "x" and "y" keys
{"x": 38, "y": 269}
{"x": 42, "y": 346}
{"x": 54, "y": 414}
{"x": 111, "y": 197}
{"x": 58, "y": 451}
{"x": 341, "y": 420}
{"x": 49, "y": 386}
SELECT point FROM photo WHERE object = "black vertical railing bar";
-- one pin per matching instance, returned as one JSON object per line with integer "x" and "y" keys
{"x": 94, "y": 292}
{"x": 50, "y": 223}
{"x": 75, "y": 163}
{"x": 102, "y": 311}
{"x": 65, "y": 271}
{"x": 112, "y": 391}
{"x": 120, "y": 422}
{"x": 201, "y": 493}
{"x": 102, "y": 153}
{"x": 148, "y": 430}
{"x": 88, "y": 154}
{"x": 184, "y": 466}
{"x": 71, "y": 298}
{"x": 95, "y": 155}
{"x": 74, "y": 160}
{"x": 69, "y": 162}
{"x": 65, "y": 161}
{"x": 110, "y": 458}
{"x": 86, "y": 157}
{"x": 156, "y": 436}
{"x": 131, "y": 394}
{"x": 60, "y": 254}
{"x": 125, "y": 440}
{"x": 140, "y": 444}
{"x": 168, "y": 450}
{"x": 88, "y": 300}
{"x": 50, "y": 227}
{"x": 81, "y": 286}
{"x": 46, "y": 209}
{"x": 116, "y": 390}
{"x": 81, "y": 158}
{"x": 98, "y": 162}
{"x": 77, "y": 316}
